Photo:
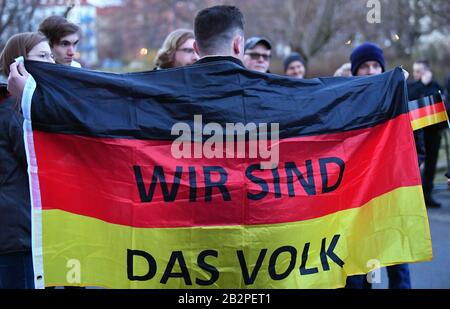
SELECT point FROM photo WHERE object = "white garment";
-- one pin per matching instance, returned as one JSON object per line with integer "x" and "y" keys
{"x": 75, "y": 64}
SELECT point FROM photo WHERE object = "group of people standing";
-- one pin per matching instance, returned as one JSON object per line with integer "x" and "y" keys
{"x": 218, "y": 35}
{"x": 178, "y": 51}
{"x": 366, "y": 59}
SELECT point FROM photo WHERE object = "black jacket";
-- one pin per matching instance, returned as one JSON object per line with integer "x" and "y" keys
{"x": 417, "y": 90}
{"x": 15, "y": 209}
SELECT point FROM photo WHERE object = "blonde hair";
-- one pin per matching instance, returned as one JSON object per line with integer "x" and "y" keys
{"x": 19, "y": 45}
{"x": 165, "y": 57}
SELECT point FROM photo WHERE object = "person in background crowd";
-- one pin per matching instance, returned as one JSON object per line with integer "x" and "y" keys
{"x": 257, "y": 54}
{"x": 63, "y": 37}
{"x": 295, "y": 66}
{"x": 368, "y": 59}
{"x": 177, "y": 50}
{"x": 16, "y": 266}
{"x": 423, "y": 86}
{"x": 344, "y": 70}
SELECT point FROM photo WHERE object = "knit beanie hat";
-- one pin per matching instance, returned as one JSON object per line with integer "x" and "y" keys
{"x": 291, "y": 58}
{"x": 366, "y": 52}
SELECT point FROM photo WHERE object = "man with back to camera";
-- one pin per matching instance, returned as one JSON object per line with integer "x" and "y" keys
{"x": 219, "y": 33}
{"x": 219, "y": 36}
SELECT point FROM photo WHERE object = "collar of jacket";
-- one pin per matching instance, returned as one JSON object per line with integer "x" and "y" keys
{"x": 209, "y": 59}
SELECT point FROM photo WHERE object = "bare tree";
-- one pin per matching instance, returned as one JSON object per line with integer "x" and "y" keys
{"x": 318, "y": 29}
{"x": 410, "y": 20}
{"x": 440, "y": 11}
{"x": 141, "y": 24}
{"x": 15, "y": 17}
{"x": 308, "y": 27}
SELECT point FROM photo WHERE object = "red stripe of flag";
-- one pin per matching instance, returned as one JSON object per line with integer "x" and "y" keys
{"x": 94, "y": 177}
{"x": 427, "y": 110}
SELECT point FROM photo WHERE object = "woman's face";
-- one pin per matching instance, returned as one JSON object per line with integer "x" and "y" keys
{"x": 41, "y": 52}
{"x": 185, "y": 55}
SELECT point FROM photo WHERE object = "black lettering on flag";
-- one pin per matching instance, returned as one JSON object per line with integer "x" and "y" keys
{"x": 250, "y": 279}
{"x": 324, "y": 173}
{"x": 273, "y": 262}
{"x": 209, "y": 185}
{"x": 130, "y": 268}
{"x": 330, "y": 253}
{"x": 174, "y": 257}
{"x": 259, "y": 181}
{"x": 276, "y": 183}
{"x": 207, "y": 267}
{"x": 309, "y": 185}
{"x": 158, "y": 175}
{"x": 192, "y": 184}
{"x": 303, "y": 269}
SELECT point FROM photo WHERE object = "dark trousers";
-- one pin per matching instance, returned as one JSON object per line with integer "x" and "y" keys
{"x": 16, "y": 271}
{"x": 432, "y": 137}
{"x": 398, "y": 279}
{"x": 358, "y": 282}
{"x": 399, "y": 276}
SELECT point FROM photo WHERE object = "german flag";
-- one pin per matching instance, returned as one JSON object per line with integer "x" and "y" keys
{"x": 114, "y": 206}
{"x": 427, "y": 111}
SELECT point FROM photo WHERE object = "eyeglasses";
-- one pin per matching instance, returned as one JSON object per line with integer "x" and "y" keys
{"x": 43, "y": 55}
{"x": 187, "y": 50}
{"x": 256, "y": 56}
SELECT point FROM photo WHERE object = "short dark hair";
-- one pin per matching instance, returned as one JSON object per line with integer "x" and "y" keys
{"x": 57, "y": 27}
{"x": 215, "y": 26}
{"x": 426, "y": 63}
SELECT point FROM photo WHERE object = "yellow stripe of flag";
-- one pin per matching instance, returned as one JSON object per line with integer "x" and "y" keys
{"x": 429, "y": 120}
{"x": 100, "y": 249}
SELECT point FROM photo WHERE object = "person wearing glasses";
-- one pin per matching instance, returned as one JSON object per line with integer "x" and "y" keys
{"x": 257, "y": 54}
{"x": 63, "y": 37}
{"x": 177, "y": 50}
{"x": 16, "y": 267}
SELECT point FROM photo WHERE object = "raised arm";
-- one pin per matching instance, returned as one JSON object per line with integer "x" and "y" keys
{"x": 17, "y": 78}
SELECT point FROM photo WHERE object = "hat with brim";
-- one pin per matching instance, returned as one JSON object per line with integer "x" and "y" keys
{"x": 253, "y": 41}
